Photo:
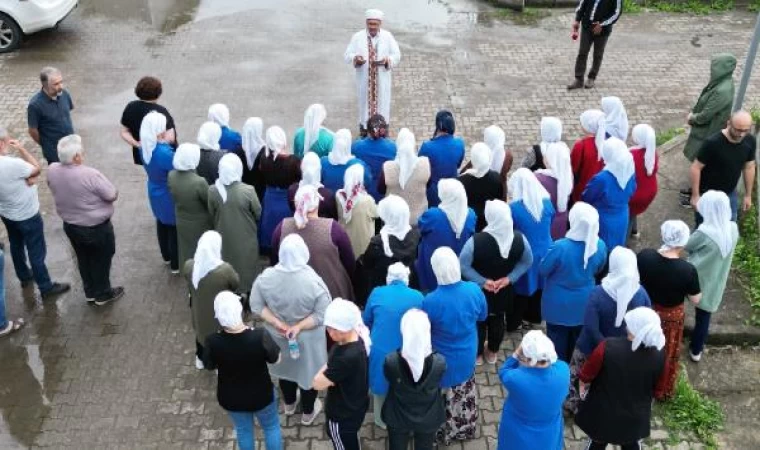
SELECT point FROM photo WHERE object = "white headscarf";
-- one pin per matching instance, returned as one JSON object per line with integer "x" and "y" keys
{"x": 230, "y": 171}
{"x": 453, "y": 203}
{"x": 277, "y": 141}
{"x": 312, "y": 123}
{"x": 406, "y": 155}
{"x": 536, "y": 347}
{"x": 480, "y": 157}
{"x": 551, "y": 132}
{"x": 311, "y": 170}
{"x": 228, "y": 310}
{"x": 353, "y": 188}
{"x": 622, "y": 281}
{"x": 253, "y": 139}
{"x": 343, "y": 315}
{"x": 645, "y": 326}
{"x": 523, "y": 185}
{"x": 152, "y": 125}
{"x": 209, "y": 135}
{"x": 208, "y": 256}
{"x": 398, "y": 272}
{"x": 675, "y": 234}
{"x": 715, "y": 209}
{"x": 340, "y": 154}
{"x": 618, "y": 161}
{"x": 373, "y": 14}
{"x": 584, "y": 227}
{"x": 187, "y": 157}
{"x": 499, "y": 219}
{"x": 590, "y": 120}
{"x": 306, "y": 200}
{"x": 445, "y": 266}
{"x": 614, "y": 123}
{"x": 293, "y": 254}
{"x": 219, "y": 114}
{"x": 416, "y": 342}
{"x": 495, "y": 138}
{"x": 645, "y": 137}
{"x": 558, "y": 166}
{"x": 394, "y": 212}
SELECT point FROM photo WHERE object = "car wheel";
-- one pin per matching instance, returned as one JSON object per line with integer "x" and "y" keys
{"x": 10, "y": 34}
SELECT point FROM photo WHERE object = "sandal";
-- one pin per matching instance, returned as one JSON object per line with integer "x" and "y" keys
{"x": 13, "y": 326}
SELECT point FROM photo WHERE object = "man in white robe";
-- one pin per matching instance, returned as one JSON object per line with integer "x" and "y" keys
{"x": 382, "y": 46}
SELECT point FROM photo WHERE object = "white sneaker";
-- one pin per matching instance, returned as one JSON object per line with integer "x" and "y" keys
{"x": 199, "y": 364}
{"x": 694, "y": 357}
{"x": 308, "y": 419}
{"x": 289, "y": 410}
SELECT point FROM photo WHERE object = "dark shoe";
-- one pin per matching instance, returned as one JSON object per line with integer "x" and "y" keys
{"x": 577, "y": 84}
{"x": 686, "y": 203}
{"x": 590, "y": 83}
{"x": 685, "y": 192}
{"x": 26, "y": 283}
{"x": 116, "y": 293}
{"x": 57, "y": 289}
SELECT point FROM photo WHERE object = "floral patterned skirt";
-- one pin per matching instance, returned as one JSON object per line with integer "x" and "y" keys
{"x": 461, "y": 413}
{"x": 573, "y": 397}
{"x": 672, "y": 326}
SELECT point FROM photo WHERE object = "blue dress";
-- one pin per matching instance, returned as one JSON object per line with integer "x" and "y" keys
{"x": 385, "y": 307}
{"x": 532, "y": 414}
{"x": 446, "y": 154}
{"x": 332, "y": 174}
{"x": 374, "y": 152}
{"x": 435, "y": 232}
{"x": 603, "y": 193}
{"x": 567, "y": 284}
{"x": 161, "y": 201}
{"x": 230, "y": 140}
{"x": 539, "y": 237}
{"x": 275, "y": 209}
{"x": 599, "y": 318}
{"x": 453, "y": 310}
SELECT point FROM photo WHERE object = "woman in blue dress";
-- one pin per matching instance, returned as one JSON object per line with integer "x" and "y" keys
{"x": 445, "y": 152}
{"x": 158, "y": 161}
{"x": 532, "y": 215}
{"x": 230, "y": 140}
{"x": 450, "y": 224}
{"x": 335, "y": 164}
{"x": 375, "y": 150}
{"x": 610, "y": 190}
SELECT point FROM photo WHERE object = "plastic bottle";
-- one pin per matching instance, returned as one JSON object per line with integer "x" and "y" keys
{"x": 295, "y": 351}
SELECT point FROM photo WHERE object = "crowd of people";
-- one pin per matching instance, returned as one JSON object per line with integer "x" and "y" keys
{"x": 384, "y": 272}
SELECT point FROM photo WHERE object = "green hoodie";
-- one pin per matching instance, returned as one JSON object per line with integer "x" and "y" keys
{"x": 713, "y": 109}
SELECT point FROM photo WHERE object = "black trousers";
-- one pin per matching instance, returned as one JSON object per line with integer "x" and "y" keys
{"x": 342, "y": 438}
{"x": 589, "y": 39}
{"x": 94, "y": 247}
{"x": 528, "y": 307}
{"x": 308, "y": 396}
{"x": 399, "y": 440}
{"x": 493, "y": 327}
{"x": 594, "y": 445}
{"x": 167, "y": 242}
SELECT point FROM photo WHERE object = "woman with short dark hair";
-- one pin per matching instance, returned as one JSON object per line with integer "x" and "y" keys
{"x": 148, "y": 91}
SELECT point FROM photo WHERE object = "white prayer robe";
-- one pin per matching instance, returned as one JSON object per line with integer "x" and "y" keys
{"x": 385, "y": 46}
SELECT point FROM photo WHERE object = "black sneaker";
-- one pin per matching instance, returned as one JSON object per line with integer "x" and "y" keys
{"x": 116, "y": 293}
{"x": 686, "y": 203}
{"x": 57, "y": 289}
{"x": 26, "y": 283}
{"x": 577, "y": 84}
{"x": 685, "y": 192}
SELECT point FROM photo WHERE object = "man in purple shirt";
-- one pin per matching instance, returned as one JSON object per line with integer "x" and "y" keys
{"x": 84, "y": 199}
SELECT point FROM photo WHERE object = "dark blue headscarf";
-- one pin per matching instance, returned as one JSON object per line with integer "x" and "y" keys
{"x": 444, "y": 121}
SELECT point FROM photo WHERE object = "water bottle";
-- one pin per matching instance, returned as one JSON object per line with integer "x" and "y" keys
{"x": 295, "y": 352}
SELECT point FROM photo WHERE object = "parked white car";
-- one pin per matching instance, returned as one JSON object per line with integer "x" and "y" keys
{"x": 22, "y": 17}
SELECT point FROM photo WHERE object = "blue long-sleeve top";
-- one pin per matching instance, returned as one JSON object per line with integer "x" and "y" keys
{"x": 604, "y": 193}
{"x": 333, "y": 174}
{"x": 468, "y": 272}
{"x": 230, "y": 140}
{"x": 374, "y": 152}
{"x": 446, "y": 153}
{"x": 161, "y": 201}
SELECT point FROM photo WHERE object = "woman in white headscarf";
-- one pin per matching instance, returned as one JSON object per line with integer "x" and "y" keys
{"x": 450, "y": 224}
{"x": 407, "y": 176}
{"x": 614, "y": 123}
{"x": 190, "y": 194}
{"x": 501, "y": 157}
{"x": 619, "y": 292}
{"x": 532, "y": 214}
{"x": 312, "y": 136}
{"x": 495, "y": 259}
{"x": 235, "y": 211}
{"x": 585, "y": 158}
{"x": 292, "y": 299}
{"x": 454, "y": 308}
{"x": 207, "y": 275}
{"x": 279, "y": 170}
{"x": 208, "y": 140}
{"x": 557, "y": 179}
{"x": 158, "y": 157}
{"x": 645, "y": 161}
{"x": 537, "y": 381}
{"x": 357, "y": 210}
{"x": 335, "y": 164}
{"x": 618, "y": 383}
{"x": 610, "y": 190}
{"x": 481, "y": 183}
{"x": 551, "y": 133}
{"x": 250, "y": 153}
{"x": 230, "y": 140}
{"x": 568, "y": 270}
{"x": 711, "y": 249}
{"x": 331, "y": 254}
{"x": 669, "y": 280}
{"x": 311, "y": 174}
{"x": 385, "y": 307}
{"x": 414, "y": 405}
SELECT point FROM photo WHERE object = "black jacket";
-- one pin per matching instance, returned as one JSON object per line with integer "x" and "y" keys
{"x": 411, "y": 406}
{"x": 606, "y": 12}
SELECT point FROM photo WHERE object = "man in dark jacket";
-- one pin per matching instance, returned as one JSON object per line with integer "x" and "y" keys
{"x": 594, "y": 18}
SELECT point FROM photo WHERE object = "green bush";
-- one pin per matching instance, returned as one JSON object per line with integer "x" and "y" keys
{"x": 666, "y": 135}
{"x": 747, "y": 261}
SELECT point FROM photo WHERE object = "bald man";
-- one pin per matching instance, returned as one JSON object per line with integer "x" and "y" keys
{"x": 722, "y": 159}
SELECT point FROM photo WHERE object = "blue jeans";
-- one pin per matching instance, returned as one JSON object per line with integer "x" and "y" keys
{"x": 701, "y": 329}
{"x": 733, "y": 201}
{"x": 269, "y": 420}
{"x": 564, "y": 339}
{"x": 3, "y": 319}
{"x": 28, "y": 236}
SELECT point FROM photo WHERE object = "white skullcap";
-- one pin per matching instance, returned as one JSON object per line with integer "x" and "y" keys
{"x": 228, "y": 310}
{"x": 398, "y": 272}
{"x": 536, "y": 348}
{"x": 373, "y": 14}
{"x": 645, "y": 326}
{"x": 675, "y": 234}
{"x": 446, "y": 266}
{"x": 343, "y": 315}
{"x": 187, "y": 157}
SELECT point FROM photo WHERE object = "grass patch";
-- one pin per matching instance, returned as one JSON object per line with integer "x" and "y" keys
{"x": 691, "y": 412}
{"x": 631, "y": 6}
{"x": 747, "y": 261}
{"x": 666, "y": 135}
{"x": 754, "y": 6}
{"x": 697, "y": 7}
{"x": 528, "y": 16}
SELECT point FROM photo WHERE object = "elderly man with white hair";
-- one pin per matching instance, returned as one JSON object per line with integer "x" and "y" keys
{"x": 374, "y": 53}
{"x": 84, "y": 200}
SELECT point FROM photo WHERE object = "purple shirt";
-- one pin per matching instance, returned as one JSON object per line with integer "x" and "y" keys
{"x": 559, "y": 223}
{"x": 83, "y": 196}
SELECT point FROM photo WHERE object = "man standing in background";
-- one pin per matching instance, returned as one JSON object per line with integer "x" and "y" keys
{"x": 594, "y": 18}
{"x": 49, "y": 113}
